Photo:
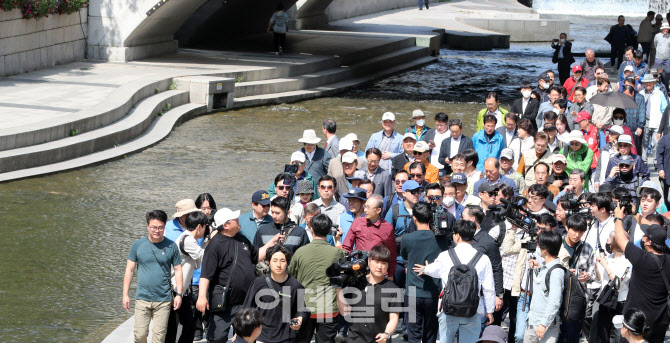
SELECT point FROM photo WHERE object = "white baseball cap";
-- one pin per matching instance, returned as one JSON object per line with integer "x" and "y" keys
{"x": 298, "y": 156}
{"x": 625, "y": 139}
{"x": 616, "y": 129}
{"x": 418, "y": 113}
{"x": 349, "y": 157}
{"x": 421, "y": 146}
{"x": 224, "y": 215}
{"x": 558, "y": 157}
{"x": 388, "y": 116}
{"x": 346, "y": 144}
{"x": 507, "y": 153}
{"x": 409, "y": 135}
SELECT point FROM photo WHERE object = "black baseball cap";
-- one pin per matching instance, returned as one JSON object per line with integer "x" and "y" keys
{"x": 262, "y": 197}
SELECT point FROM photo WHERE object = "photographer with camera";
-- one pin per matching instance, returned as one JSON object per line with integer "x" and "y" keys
{"x": 491, "y": 223}
{"x": 442, "y": 222}
{"x": 575, "y": 185}
{"x": 296, "y": 169}
{"x": 308, "y": 266}
{"x": 650, "y": 272}
{"x": 631, "y": 219}
{"x": 466, "y": 273}
{"x": 372, "y": 309}
{"x": 577, "y": 256}
{"x": 421, "y": 292}
{"x": 291, "y": 235}
{"x": 624, "y": 147}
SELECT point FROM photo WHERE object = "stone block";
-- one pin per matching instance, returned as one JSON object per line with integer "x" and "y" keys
{"x": 43, "y": 39}
{"x": 60, "y": 35}
{"x": 49, "y": 22}
{"x": 5, "y": 28}
{"x": 10, "y": 45}
{"x": 32, "y": 41}
{"x": 2, "y": 66}
{"x": 44, "y": 58}
{"x": 51, "y": 37}
{"x": 50, "y": 62}
{"x": 39, "y": 25}
{"x": 31, "y": 25}
{"x": 23, "y": 62}
{"x": 12, "y": 64}
{"x": 79, "y": 50}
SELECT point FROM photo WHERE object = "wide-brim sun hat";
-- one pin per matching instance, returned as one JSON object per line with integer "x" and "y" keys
{"x": 184, "y": 206}
{"x": 309, "y": 137}
{"x": 575, "y": 136}
{"x": 648, "y": 78}
{"x": 665, "y": 26}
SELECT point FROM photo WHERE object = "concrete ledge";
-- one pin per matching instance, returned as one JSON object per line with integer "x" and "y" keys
{"x": 520, "y": 30}
{"x": 133, "y": 125}
{"x": 209, "y": 90}
{"x": 308, "y": 22}
{"x": 127, "y": 54}
{"x": 158, "y": 131}
{"x": 475, "y": 41}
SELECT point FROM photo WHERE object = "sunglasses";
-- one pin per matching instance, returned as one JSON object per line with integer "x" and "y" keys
{"x": 416, "y": 191}
{"x": 415, "y": 175}
{"x": 400, "y": 182}
{"x": 418, "y": 153}
{"x": 624, "y": 166}
{"x": 326, "y": 186}
{"x": 283, "y": 188}
{"x": 575, "y": 143}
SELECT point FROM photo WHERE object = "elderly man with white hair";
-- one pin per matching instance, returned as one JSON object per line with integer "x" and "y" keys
{"x": 335, "y": 167}
{"x": 387, "y": 140}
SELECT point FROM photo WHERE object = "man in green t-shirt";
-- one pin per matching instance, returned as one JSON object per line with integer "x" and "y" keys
{"x": 153, "y": 256}
{"x": 308, "y": 266}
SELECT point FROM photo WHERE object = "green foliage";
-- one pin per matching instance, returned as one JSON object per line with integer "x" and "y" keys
{"x": 43, "y": 8}
{"x": 239, "y": 79}
{"x": 173, "y": 85}
{"x": 74, "y": 132}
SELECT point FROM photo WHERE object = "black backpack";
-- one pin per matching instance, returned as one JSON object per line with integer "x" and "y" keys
{"x": 460, "y": 297}
{"x": 573, "y": 305}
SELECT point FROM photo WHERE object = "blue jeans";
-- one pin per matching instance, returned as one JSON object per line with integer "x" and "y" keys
{"x": 468, "y": 328}
{"x": 421, "y": 2}
{"x": 521, "y": 316}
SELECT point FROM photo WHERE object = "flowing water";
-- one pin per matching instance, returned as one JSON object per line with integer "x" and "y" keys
{"x": 67, "y": 236}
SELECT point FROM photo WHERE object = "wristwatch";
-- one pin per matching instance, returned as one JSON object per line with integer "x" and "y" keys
{"x": 615, "y": 219}
{"x": 179, "y": 295}
{"x": 388, "y": 337}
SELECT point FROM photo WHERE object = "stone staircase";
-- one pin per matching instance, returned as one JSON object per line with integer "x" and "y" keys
{"x": 142, "y": 113}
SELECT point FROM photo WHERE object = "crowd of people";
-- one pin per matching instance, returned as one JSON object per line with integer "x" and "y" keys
{"x": 546, "y": 216}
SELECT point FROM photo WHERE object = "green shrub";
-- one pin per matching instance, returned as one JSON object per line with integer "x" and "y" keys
{"x": 43, "y": 8}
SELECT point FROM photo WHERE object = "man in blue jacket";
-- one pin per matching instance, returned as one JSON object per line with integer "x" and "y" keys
{"x": 488, "y": 142}
{"x": 386, "y": 140}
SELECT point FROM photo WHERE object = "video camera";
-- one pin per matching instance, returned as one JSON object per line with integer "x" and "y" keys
{"x": 291, "y": 169}
{"x": 350, "y": 271}
{"x": 514, "y": 212}
{"x": 439, "y": 223}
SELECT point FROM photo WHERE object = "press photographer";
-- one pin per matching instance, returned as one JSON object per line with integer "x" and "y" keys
{"x": 372, "y": 308}
{"x": 622, "y": 175}
{"x": 442, "y": 222}
{"x": 422, "y": 292}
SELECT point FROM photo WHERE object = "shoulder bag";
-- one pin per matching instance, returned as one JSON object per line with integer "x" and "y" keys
{"x": 219, "y": 296}
{"x": 609, "y": 295}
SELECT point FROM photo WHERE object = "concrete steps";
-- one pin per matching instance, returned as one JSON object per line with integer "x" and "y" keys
{"x": 330, "y": 89}
{"x": 328, "y": 76}
{"x": 159, "y": 129}
{"x": 134, "y": 124}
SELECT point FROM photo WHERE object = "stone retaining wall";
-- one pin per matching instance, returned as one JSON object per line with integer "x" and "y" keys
{"x": 343, "y": 9}
{"x": 31, "y": 44}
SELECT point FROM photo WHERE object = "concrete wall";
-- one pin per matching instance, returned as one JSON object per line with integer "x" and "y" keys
{"x": 31, "y": 44}
{"x": 531, "y": 30}
{"x": 342, "y": 9}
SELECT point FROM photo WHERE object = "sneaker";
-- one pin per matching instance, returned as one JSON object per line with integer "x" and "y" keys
{"x": 420, "y": 8}
{"x": 340, "y": 338}
{"x": 405, "y": 336}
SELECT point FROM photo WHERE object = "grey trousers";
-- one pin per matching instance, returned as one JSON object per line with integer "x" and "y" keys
{"x": 550, "y": 335}
{"x": 649, "y": 136}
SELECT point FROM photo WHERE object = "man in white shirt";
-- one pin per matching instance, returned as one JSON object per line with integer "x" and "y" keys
{"x": 655, "y": 104}
{"x": 468, "y": 328}
{"x": 435, "y": 137}
{"x": 450, "y": 146}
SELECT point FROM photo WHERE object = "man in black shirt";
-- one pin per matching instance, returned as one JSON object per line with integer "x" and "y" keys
{"x": 247, "y": 325}
{"x": 293, "y": 236}
{"x": 372, "y": 309}
{"x": 647, "y": 289}
{"x": 220, "y": 263}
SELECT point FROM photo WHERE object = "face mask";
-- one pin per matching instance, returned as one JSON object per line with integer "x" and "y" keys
{"x": 626, "y": 175}
{"x": 526, "y": 94}
{"x": 421, "y": 122}
{"x": 618, "y": 122}
{"x": 449, "y": 201}
{"x": 542, "y": 85}
{"x": 562, "y": 40}
{"x": 608, "y": 248}
{"x": 557, "y": 110}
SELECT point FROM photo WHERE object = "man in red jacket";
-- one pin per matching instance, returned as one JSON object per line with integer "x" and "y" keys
{"x": 372, "y": 230}
{"x": 590, "y": 135}
{"x": 576, "y": 79}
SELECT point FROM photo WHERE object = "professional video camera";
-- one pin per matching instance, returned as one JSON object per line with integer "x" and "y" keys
{"x": 439, "y": 223}
{"x": 350, "y": 271}
{"x": 514, "y": 212}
